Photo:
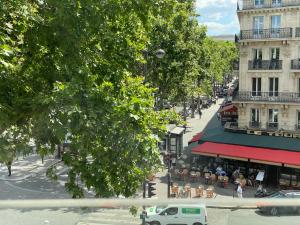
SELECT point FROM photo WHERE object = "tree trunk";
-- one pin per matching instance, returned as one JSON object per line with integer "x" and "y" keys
{"x": 193, "y": 107}
{"x": 184, "y": 111}
{"x": 59, "y": 147}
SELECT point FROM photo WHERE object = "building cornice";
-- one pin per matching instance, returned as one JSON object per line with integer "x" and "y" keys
{"x": 268, "y": 10}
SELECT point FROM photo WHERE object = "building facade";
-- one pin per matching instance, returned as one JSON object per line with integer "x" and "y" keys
{"x": 269, "y": 67}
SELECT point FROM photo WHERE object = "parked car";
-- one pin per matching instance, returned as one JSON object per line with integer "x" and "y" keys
{"x": 276, "y": 210}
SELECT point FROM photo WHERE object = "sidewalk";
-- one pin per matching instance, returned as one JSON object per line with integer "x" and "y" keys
{"x": 24, "y": 168}
{"x": 195, "y": 125}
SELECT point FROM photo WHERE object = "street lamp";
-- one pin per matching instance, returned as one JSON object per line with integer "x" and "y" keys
{"x": 169, "y": 165}
{"x": 160, "y": 53}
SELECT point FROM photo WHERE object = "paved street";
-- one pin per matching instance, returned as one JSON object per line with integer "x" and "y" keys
{"x": 195, "y": 125}
{"x": 122, "y": 216}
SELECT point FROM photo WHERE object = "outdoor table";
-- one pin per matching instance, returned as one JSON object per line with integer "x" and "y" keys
{"x": 180, "y": 161}
{"x": 184, "y": 156}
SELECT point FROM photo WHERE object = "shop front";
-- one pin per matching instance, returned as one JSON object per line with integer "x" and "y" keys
{"x": 274, "y": 166}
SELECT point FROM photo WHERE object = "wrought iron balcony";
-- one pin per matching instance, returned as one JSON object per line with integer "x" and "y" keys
{"x": 236, "y": 65}
{"x": 265, "y": 64}
{"x": 249, "y": 96}
{"x": 272, "y": 126}
{"x": 266, "y": 33}
{"x": 295, "y": 64}
{"x": 254, "y": 124}
{"x": 250, "y": 4}
{"x": 297, "y": 34}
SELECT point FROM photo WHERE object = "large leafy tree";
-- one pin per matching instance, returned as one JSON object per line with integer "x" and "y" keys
{"x": 73, "y": 73}
{"x": 180, "y": 35}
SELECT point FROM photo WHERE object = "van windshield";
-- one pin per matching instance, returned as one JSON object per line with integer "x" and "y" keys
{"x": 160, "y": 208}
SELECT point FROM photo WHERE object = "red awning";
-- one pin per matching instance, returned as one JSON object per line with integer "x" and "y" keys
{"x": 258, "y": 155}
{"x": 197, "y": 137}
{"x": 228, "y": 108}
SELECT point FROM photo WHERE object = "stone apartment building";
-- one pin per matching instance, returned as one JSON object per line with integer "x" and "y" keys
{"x": 269, "y": 67}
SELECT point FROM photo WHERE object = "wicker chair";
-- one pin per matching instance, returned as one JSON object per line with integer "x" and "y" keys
{"x": 199, "y": 191}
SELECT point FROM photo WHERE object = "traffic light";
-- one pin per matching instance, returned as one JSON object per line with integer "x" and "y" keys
{"x": 151, "y": 188}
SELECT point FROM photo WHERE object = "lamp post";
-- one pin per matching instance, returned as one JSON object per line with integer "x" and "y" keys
{"x": 159, "y": 53}
{"x": 169, "y": 165}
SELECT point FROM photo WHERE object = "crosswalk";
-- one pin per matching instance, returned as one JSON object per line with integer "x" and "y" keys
{"x": 110, "y": 217}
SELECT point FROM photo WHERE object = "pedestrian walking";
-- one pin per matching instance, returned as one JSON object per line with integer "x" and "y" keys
{"x": 219, "y": 116}
{"x": 200, "y": 113}
{"x": 239, "y": 191}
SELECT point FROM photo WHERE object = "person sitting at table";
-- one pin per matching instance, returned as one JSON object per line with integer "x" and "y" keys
{"x": 235, "y": 174}
{"x": 219, "y": 170}
{"x": 223, "y": 173}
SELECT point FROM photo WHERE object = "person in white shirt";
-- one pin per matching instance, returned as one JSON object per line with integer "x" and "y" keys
{"x": 239, "y": 191}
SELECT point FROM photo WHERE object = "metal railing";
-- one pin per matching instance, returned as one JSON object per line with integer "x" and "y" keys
{"x": 295, "y": 64}
{"x": 264, "y": 64}
{"x": 254, "y": 124}
{"x": 286, "y": 32}
{"x": 272, "y": 126}
{"x": 236, "y": 65}
{"x": 297, "y": 127}
{"x": 293, "y": 97}
{"x": 250, "y": 4}
{"x": 297, "y": 33}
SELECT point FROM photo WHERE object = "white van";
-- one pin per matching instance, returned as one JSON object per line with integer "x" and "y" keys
{"x": 177, "y": 215}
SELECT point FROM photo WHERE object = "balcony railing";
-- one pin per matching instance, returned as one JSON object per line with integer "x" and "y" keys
{"x": 250, "y": 4}
{"x": 292, "y": 97}
{"x": 297, "y": 126}
{"x": 297, "y": 34}
{"x": 266, "y": 33}
{"x": 236, "y": 65}
{"x": 265, "y": 65}
{"x": 272, "y": 126}
{"x": 295, "y": 64}
{"x": 254, "y": 124}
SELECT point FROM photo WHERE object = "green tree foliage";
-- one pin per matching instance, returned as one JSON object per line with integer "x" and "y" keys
{"x": 72, "y": 73}
{"x": 180, "y": 35}
{"x": 68, "y": 70}
{"x": 218, "y": 58}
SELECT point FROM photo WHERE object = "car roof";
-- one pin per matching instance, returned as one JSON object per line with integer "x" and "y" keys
{"x": 188, "y": 205}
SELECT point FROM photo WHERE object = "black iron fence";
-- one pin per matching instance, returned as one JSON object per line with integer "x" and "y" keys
{"x": 272, "y": 125}
{"x": 295, "y": 64}
{"x": 265, "y": 65}
{"x": 254, "y": 124}
{"x": 236, "y": 65}
{"x": 267, "y": 96}
{"x": 297, "y": 33}
{"x": 267, "y": 33}
{"x": 250, "y": 4}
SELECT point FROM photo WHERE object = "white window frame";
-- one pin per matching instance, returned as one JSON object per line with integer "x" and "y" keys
{"x": 275, "y": 113}
{"x": 256, "y": 115}
{"x": 276, "y": 3}
{"x": 258, "y": 3}
{"x": 274, "y": 92}
{"x": 256, "y": 91}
